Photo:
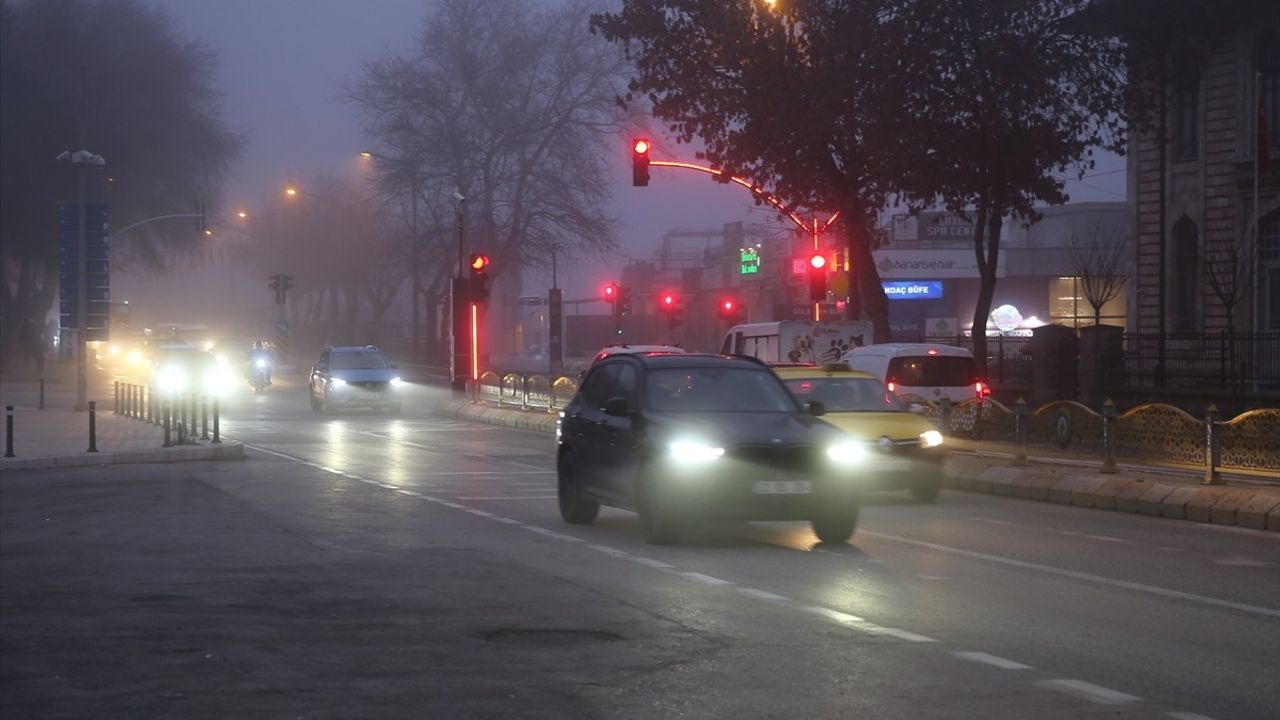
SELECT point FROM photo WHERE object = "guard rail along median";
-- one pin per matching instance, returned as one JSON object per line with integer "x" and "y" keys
{"x": 1154, "y": 433}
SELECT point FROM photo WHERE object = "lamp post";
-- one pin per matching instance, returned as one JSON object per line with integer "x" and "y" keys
{"x": 415, "y": 252}
{"x": 82, "y": 159}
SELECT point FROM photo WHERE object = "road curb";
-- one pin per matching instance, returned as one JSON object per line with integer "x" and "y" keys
{"x": 1244, "y": 507}
{"x": 228, "y": 450}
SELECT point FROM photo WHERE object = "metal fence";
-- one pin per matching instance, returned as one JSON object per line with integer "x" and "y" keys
{"x": 1234, "y": 362}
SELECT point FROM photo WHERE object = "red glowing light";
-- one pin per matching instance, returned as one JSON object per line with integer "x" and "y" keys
{"x": 479, "y": 262}
{"x": 818, "y": 262}
{"x": 609, "y": 290}
{"x": 933, "y": 351}
{"x": 728, "y": 305}
{"x": 892, "y": 386}
{"x": 668, "y": 300}
{"x": 981, "y": 389}
{"x": 642, "y": 146}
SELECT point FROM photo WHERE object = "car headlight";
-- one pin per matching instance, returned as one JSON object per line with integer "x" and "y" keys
{"x": 171, "y": 380}
{"x": 931, "y": 438}
{"x": 337, "y": 382}
{"x": 692, "y": 451}
{"x": 260, "y": 363}
{"x": 396, "y": 382}
{"x": 846, "y": 453}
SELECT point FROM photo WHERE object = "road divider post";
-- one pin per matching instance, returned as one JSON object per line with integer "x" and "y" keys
{"x": 93, "y": 426}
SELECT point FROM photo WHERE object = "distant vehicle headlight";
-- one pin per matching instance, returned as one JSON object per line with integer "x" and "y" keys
{"x": 171, "y": 380}
{"x": 135, "y": 357}
{"x": 260, "y": 363}
{"x": 208, "y": 345}
{"x": 693, "y": 451}
{"x": 846, "y": 453}
{"x": 114, "y": 349}
{"x": 396, "y": 382}
{"x": 931, "y": 438}
{"x": 337, "y": 382}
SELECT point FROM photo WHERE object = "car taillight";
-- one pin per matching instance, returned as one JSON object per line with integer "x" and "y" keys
{"x": 981, "y": 389}
{"x": 893, "y": 386}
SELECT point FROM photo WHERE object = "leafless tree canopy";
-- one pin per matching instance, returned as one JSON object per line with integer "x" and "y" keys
{"x": 512, "y": 106}
{"x": 1103, "y": 264}
{"x": 1229, "y": 276}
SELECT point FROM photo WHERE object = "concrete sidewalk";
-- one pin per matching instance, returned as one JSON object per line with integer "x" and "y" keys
{"x": 58, "y": 436}
{"x": 1157, "y": 491}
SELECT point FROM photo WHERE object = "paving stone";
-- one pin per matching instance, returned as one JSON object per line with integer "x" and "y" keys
{"x": 1084, "y": 486}
{"x": 1127, "y": 498}
{"x": 1273, "y": 519}
{"x": 1224, "y": 511}
{"x": 1175, "y": 503}
{"x": 1200, "y": 505}
{"x": 1149, "y": 501}
{"x": 1043, "y": 482}
{"x": 1104, "y": 498}
{"x": 1253, "y": 514}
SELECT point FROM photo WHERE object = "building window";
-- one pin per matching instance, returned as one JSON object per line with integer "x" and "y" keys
{"x": 1268, "y": 75}
{"x": 1186, "y": 275}
{"x": 1068, "y": 305}
{"x": 1269, "y": 271}
{"x": 1186, "y": 107}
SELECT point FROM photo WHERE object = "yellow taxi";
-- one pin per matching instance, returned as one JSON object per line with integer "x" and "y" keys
{"x": 903, "y": 450}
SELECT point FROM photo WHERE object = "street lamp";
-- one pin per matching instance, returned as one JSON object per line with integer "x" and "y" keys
{"x": 415, "y": 281}
{"x": 82, "y": 160}
{"x": 291, "y": 191}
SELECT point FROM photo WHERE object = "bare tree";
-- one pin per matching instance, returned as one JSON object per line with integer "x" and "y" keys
{"x": 1229, "y": 276}
{"x": 513, "y": 107}
{"x": 1103, "y": 265}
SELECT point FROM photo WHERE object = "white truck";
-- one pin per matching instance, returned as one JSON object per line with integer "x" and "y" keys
{"x": 797, "y": 341}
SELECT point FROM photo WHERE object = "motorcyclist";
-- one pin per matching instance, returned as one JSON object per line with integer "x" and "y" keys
{"x": 260, "y": 352}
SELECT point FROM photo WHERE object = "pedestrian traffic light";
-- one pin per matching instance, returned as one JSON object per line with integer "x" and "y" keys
{"x": 640, "y": 162}
{"x": 479, "y": 267}
{"x": 817, "y": 278}
{"x": 730, "y": 310}
{"x": 671, "y": 305}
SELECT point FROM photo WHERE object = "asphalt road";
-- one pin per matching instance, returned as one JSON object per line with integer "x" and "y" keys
{"x": 372, "y": 566}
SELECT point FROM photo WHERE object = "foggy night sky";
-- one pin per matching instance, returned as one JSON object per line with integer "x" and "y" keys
{"x": 282, "y": 66}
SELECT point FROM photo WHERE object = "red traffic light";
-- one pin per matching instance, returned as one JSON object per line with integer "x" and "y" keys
{"x": 668, "y": 300}
{"x": 818, "y": 261}
{"x": 610, "y": 291}
{"x": 727, "y": 305}
{"x": 641, "y": 146}
{"x": 479, "y": 262}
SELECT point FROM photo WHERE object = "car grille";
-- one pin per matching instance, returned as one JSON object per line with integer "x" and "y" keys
{"x": 376, "y": 386}
{"x": 795, "y": 457}
{"x": 896, "y": 448}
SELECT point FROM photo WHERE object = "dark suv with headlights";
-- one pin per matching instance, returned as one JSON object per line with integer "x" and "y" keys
{"x": 354, "y": 377}
{"x": 678, "y": 438}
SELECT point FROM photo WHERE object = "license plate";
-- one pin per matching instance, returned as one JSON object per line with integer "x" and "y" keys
{"x": 893, "y": 465}
{"x": 782, "y": 487}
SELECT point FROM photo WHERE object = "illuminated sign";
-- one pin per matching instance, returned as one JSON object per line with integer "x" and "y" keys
{"x": 750, "y": 261}
{"x": 912, "y": 289}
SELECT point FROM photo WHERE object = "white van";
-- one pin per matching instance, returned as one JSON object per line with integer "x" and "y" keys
{"x": 927, "y": 370}
{"x": 797, "y": 341}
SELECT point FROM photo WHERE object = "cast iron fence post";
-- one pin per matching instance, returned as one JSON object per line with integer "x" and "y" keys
{"x": 1212, "y": 447}
{"x": 216, "y": 439}
{"x": 115, "y": 406}
{"x": 166, "y": 412}
{"x": 204, "y": 417}
{"x": 93, "y": 426}
{"x": 1108, "y": 437}
{"x": 1020, "y": 432}
{"x": 945, "y": 414}
{"x": 41, "y": 392}
{"x": 8, "y": 431}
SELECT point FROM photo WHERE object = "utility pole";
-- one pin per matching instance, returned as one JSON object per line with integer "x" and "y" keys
{"x": 415, "y": 269}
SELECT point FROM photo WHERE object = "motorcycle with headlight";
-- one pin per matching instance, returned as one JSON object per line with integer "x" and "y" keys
{"x": 260, "y": 374}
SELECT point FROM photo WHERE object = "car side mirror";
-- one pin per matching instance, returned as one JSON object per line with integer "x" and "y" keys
{"x": 815, "y": 408}
{"x": 617, "y": 407}
{"x": 916, "y": 408}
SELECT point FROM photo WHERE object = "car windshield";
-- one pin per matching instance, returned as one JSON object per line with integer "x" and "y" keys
{"x": 717, "y": 389}
{"x": 932, "y": 371}
{"x": 846, "y": 394}
{"x": 358, "y": 361}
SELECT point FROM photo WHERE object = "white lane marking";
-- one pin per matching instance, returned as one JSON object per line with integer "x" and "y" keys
{"x": 517, "y": 463}
{"x": 764, "y": 595}
{"x": 1076, "y": 575}
{"x": 499, "y": 473}
{"x": 1241, "y": 562}
{"x": 1088, "y": 691}
{"x": 480, "y": 513}
{"x": 1171, "y": 549}
{"x": 508, "y": 497}
{"x": 991, "y": 521}
{"x": 931, "y": 577}
{"x": 650, "y": 562}
{"x": 898, "y": 633}
{"x": 836, "y": 615}
{"x": 446, "y": 503}
{"x": 1104, "y": 538}
{"x": 611, "y": 551}
{"x": 708, "y": 579}
{"x": 857, "y": 623}
{"x": 431, "y": 498}
{"x": 1188, "y": 716}
{"x": 506, "y": 520}
{"x": 551, "y": 533}
{"x": 996, "y": 660}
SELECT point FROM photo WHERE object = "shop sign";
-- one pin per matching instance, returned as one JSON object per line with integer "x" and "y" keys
{"x": 912, "y": 289}
{"x": 910, "y": 264}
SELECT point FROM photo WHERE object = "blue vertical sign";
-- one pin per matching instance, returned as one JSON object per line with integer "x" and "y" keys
{"x": 97, "y": 270}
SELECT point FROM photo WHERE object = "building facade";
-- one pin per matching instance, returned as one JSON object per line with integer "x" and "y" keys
{"x": 1204, "y": 184}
